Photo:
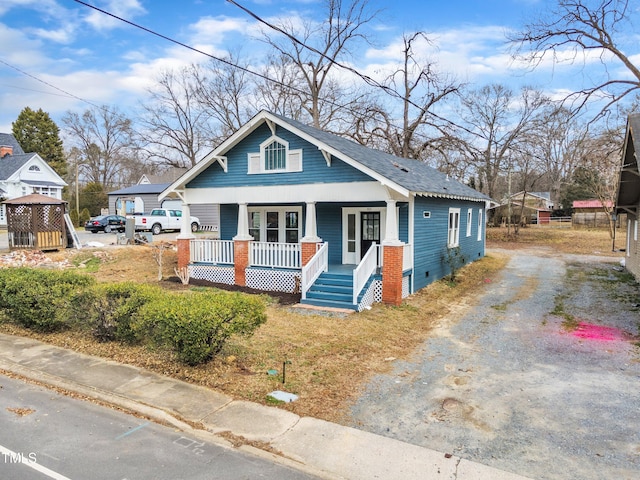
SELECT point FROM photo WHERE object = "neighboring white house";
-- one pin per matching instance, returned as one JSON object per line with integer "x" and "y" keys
{"x": 24, "y": 173}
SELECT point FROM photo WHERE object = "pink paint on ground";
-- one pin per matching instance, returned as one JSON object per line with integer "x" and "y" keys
{"x": 601, "y": 333}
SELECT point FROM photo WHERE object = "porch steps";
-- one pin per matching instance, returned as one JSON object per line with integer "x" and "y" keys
{"x": 332, "y": 290}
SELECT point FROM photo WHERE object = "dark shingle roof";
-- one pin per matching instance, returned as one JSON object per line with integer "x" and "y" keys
{"x": 141, "y": 189}
{"x": 12, "y": 163}
{"x": 413, "y": 175}
{"x": 8, "y": 140}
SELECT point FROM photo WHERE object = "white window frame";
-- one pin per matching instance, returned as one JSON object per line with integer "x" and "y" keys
{"x": 479, "y": 224}
{"x": 256, "y": 160}
{"x": 453, "y": 228}
{"x": 282, "y": 221}
{"x": 469, "y": 220}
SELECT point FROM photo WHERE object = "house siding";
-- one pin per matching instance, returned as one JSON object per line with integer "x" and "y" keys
{"x": 632, "y": 259}
{"x": 430, "y": 246}
{"x": 315, "y": 169}
{"x": 328, "y": 223}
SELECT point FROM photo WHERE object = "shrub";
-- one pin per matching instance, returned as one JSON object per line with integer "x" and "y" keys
{"x": 110, "y": 309}
{"x": 40, "y": 299}
{"x": 197, "y": 325}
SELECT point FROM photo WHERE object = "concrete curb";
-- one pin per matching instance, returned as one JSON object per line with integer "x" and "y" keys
{"x": 320, "y": 448}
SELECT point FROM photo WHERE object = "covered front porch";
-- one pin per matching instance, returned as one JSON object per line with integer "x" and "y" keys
{"x": 302, "y": 268}
{"x": 364, "y": 250}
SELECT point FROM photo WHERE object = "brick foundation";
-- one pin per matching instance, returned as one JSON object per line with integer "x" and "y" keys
{"x": 392, "y": 275}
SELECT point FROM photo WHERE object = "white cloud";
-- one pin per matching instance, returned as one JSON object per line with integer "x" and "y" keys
{"x": 127, "y": 9}
{"x": 212, "y": 30}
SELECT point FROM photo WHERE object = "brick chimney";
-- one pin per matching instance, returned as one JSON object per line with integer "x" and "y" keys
{"x": 5, "y": 150}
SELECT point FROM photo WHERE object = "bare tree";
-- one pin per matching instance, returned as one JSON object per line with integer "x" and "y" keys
{"x": 102, "y": 144}
{"x": 495, "y": 121}
{"x": 314, "y": 49}
{"x": 600, "y": 160}
{"x": 223, "y": 90}
{"x": 420, "y": 89}
{"x": 578, "y": 30}
{"x": 557, "y": 143}
{"x": 174, "y": 125}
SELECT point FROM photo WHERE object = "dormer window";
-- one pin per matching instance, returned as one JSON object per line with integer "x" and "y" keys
{"x": 275, "y": 157}
{"x": 34, "y": 168}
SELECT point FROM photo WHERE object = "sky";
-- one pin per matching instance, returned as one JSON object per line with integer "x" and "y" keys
{"x": 60, "y": 55}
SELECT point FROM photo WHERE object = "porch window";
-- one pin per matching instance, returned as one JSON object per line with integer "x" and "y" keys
{"x": 272, "y": 226}
{"x": 292, "y": 227}
{"x": 454, "y": 228}
{"x": 275, "y": 224}
{"x": 254, "y": 225}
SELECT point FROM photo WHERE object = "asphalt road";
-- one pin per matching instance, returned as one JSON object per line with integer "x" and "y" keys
{"x": 47, "y": 435}
{"x": 509, "y": 382}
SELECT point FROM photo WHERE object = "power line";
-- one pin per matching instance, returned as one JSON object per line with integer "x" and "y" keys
{"x": 367, "y": 79}
{"x": 189, "y": 47}
{"x": 47, "y": 83}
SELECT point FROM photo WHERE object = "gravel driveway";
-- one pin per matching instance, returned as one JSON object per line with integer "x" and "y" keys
{"x": 506, "y": 382}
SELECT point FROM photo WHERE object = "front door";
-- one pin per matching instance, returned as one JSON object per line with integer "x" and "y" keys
{"x": 369, "y": 231}
{"x": 360, "y": 228}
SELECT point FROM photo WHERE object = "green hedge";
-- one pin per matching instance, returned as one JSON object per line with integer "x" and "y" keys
{"x": 40, "y": 299}
{"x": 196, "y": 325}
{"x": 110, "y": 309}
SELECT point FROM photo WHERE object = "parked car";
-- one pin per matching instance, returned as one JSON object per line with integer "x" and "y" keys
{"x": 106, "y": 224}
{"x": 162, "y": 220}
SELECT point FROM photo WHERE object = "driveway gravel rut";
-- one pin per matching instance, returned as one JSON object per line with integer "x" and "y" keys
{"x": 537, "y": 376}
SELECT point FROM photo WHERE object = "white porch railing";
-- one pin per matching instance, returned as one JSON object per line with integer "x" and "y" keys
{"x": 211, "y": 251}
{"x": 270, "y": 254}
{"x": 407, "y": 257}
{"x": 311, "y": 271}
{"x": 364, "y": 270}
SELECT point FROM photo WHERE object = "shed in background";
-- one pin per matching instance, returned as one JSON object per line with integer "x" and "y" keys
{"x": 36, "y": 222}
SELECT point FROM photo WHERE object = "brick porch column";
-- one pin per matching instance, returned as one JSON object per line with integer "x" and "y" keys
{"x": 241, "y": 261}
{"x": 392, "y": 274}
{"x": 184, "y": 252}
{"x": 308, "y": 250}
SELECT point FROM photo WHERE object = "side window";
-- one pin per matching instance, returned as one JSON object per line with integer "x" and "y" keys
{"x": 480, "y": 225}
{"x": 454, "y": 228}
{"x": 469, "y": 218}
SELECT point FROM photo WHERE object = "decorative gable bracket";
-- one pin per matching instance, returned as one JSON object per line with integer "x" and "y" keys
{"x": 327, "y": 157}
{"x": 272, "y": 126}
{"x": 222, "y": 161}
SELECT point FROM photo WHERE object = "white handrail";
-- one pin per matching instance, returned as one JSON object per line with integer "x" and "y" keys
{"x": 272, "y": 254}
{"x": 364, "y": 270}
{"x": 311, "y": 271}
{"x": 407, "y": 257}
{"x": 211, "y": 251}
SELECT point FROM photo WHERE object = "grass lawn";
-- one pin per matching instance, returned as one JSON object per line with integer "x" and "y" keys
{"x": 329, "y": 357}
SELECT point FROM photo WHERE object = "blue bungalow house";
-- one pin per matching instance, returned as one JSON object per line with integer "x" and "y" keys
{"x": 309, "y": 212}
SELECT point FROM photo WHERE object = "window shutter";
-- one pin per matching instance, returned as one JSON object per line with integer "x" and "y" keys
{"x": 254, "y": 162}
{"x": 294, "y": 163}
